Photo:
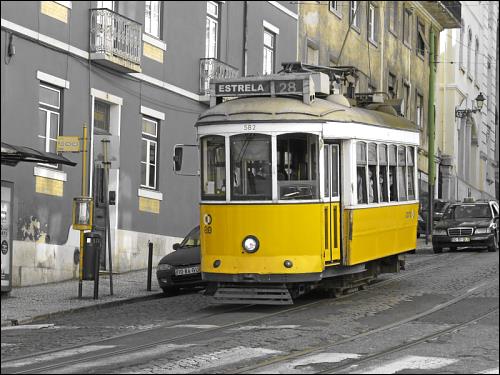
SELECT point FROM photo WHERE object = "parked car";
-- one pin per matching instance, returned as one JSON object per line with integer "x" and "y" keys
{"x": 181, "y": 268}
{"x": 468, "y": 224}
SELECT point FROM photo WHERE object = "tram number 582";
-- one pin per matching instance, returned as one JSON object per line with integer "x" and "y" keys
{"x": 207, "y": 229}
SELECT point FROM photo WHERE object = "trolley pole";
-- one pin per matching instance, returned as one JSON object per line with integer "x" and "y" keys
{"x": 84, "y": 194}
{"x": 431, "y": 131}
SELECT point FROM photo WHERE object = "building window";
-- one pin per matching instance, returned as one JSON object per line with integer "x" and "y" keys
{"x": 334, "y": 7}
{"x": 354, "y": 14}
{"x": 269, "y": 46}
{"x": 111, "y": 5}
{"x": 152, "y": 21}
{"x": 393, "y": 16}
{"x": 461, "y": 45}
{"x": 101, "y": 116}
{"x": 420, "y": 39}
{"x": 476, "y": 60}
{"x": 392, "y": 86}
{"x": 406, "y": 101}
{"x": 419, "y": 111}
{"x": 49, "y": 113}
{"x": 406, "y": 27}
{"x": 212, "y": 30}
{"x": 469, "y": 49}
{"x": 372, "y": 23}
{"x": 149, "y": 154}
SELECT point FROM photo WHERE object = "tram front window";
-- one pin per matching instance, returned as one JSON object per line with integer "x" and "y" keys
{"x": 251, "y": 177}
{"x": 213, "y": 168}
{"x": 297, "y": 166}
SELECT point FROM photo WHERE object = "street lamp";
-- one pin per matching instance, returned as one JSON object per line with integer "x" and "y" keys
{"x": 461, "y": 113}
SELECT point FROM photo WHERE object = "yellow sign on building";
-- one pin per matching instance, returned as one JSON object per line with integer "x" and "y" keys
{"x": 153, "y": 52}
{"x": 149, "y": 205}
{"x": 68, "y": 144}
{"x": 49, "y": 186}
{"x": 55, "y": 10}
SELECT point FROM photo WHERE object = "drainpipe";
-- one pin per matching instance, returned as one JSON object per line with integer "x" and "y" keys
{"x": 431, "y": 133}
{"x": 245, "y": 36}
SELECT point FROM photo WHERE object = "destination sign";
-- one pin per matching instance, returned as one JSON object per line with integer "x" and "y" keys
{"x": 259, "y": 87}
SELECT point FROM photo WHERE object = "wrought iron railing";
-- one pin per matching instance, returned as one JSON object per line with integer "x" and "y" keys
{"x": 112, "y": 33}
{"x": 211, "y": 68}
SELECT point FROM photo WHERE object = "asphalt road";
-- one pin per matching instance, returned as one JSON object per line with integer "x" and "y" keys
{"x": 440, "y": 315}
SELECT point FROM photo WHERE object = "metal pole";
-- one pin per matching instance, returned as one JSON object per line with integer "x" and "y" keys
{"x": 96, "y": 268}
{"x": 150, "y": 264}
{"x": 431, "y": 133}
{"x": 84, "y": 193}
{"x": 106, "y": 163}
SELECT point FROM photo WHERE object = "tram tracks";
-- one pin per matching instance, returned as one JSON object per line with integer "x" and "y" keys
{"x": 356, "y": 362}
{"x": 135, "y": 348}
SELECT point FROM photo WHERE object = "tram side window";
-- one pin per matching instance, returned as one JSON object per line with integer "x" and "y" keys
{"x": 411, "y": 175}
{"x": 297, "y": 166}
{"x": 382, "y": 161}
{"x": 361, "y": 171}
{"x": 213, "y": 168}
{"x": 372, "y": 173}
{"x": 251, "y": 177}
{"x": 402, "y": 172}
{"x": 393, "y": 190}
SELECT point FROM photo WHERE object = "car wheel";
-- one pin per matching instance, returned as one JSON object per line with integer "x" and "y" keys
{"x": 437, "y": 250}
{"x": 170, "y": 291}
{"x": 494, "y": 247}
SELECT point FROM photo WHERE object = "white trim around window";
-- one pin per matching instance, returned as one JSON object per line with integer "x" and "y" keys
{"x": 50, "y": 173}
{"x": 53, "y": 80}
{"x": 67, "y": 4}
{"x": 158, "y": 195}
{"x": 152, "y": 113}
{"x": 271, "y": 27}
{"x": 98, "y": 94}
{"x": 284, "y": 9}
{"x": 154, "y": 41}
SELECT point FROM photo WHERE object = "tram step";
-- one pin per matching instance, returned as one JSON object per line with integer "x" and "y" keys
{"x": 263, "y": 295}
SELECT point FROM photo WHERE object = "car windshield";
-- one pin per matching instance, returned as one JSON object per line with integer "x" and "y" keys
{"x": 192, "y": 239}
{"x": 469, "y": 210}
{"x": 439, "y": 206}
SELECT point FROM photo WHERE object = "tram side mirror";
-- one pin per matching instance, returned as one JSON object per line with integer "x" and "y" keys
{"x": 177, "y": 158}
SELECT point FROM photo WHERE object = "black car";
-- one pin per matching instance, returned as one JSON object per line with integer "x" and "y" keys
{"x": 468, "y": 224}
{"x": 181, "y": 268}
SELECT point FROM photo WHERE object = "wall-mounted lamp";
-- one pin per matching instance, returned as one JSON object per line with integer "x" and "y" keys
{"x": 461, "y": 113}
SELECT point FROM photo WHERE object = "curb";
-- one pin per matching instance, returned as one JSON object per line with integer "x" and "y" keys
{"x": 16, "y": 322}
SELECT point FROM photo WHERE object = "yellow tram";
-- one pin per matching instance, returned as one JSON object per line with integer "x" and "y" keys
{"x": 299, "y": 191}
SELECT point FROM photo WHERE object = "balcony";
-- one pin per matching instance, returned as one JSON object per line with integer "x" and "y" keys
{"x": 447, "y": 13}
{"x": 212, "y": 68}
{"x": 115, "y": 41}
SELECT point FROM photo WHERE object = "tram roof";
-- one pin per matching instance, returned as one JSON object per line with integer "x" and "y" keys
{"x": 282, "y": 109}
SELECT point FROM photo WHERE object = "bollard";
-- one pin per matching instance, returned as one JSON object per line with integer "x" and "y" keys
{"x": 150, "y": 264}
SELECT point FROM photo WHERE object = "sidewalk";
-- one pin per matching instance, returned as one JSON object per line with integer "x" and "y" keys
{"x": 26, "y": 304}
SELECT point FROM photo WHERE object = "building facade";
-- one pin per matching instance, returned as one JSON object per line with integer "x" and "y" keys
{"x": 136, "y": 73}
{"x": 388, "y": 42}
{"x": 467, "y": 135}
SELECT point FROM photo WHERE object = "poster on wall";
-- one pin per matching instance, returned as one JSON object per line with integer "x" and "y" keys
{"x": 5, "y": 241}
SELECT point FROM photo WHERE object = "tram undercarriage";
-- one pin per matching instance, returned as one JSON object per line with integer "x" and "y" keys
{"x": 335, "y": 284}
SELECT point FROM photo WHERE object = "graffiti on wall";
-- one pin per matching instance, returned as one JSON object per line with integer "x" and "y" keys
{"x": 30, "y": 229}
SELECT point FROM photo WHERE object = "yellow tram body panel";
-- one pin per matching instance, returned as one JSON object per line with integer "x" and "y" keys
{"x": 292, "y": 232}
{"x": 379, "y": 232}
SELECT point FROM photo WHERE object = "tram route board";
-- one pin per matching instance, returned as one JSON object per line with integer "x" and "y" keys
{"x": 301, "y": 84}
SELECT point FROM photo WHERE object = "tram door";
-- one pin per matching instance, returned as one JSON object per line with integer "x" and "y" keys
{"x": 331, "y": 207}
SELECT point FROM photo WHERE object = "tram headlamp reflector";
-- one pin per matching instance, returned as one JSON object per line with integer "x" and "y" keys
{"x": 216, "y": 263}
{"x": 288, "y": 263}
{"x": 250, "y": 244}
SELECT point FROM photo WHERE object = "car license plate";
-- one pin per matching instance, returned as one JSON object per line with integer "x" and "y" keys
{"x": 187, "y": 271}
{"x": 460, "y": 239}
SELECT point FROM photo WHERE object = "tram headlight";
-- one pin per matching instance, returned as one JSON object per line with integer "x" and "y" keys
{"x": 250, "y": 244}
